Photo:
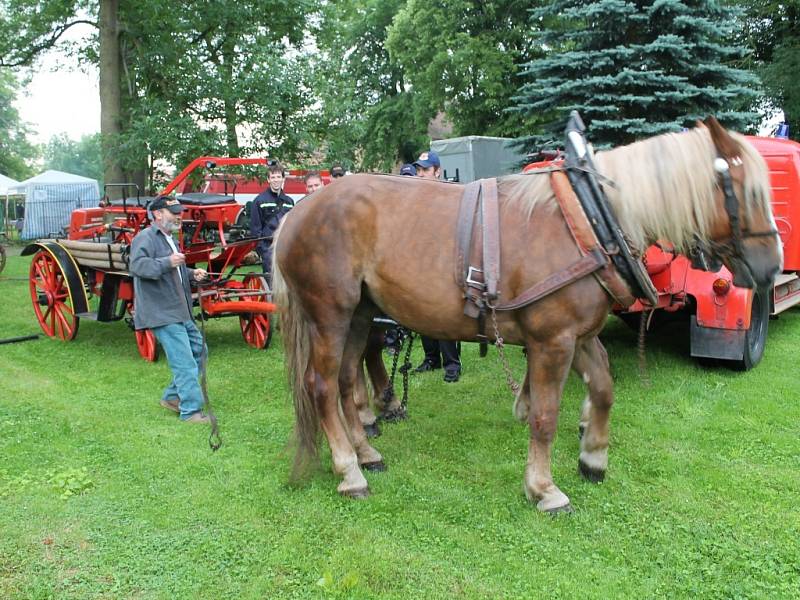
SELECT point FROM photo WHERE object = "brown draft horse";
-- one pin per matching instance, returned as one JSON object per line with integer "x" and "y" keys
{"x": 362, "y": 246}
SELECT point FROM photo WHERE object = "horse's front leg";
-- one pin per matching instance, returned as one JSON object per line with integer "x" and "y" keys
{"x": 591, "y": 363}
{"x": 548, "y": 365}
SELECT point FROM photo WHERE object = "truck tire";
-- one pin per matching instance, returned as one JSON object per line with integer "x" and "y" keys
{"x": 756, "y": 337}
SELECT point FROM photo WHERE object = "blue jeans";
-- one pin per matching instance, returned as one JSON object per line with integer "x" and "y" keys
{"x": 183, "y": 344}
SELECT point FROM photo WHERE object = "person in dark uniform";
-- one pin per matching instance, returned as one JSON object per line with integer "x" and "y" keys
{"x": 438, "y": 353}
{"x": 269, "y": 207}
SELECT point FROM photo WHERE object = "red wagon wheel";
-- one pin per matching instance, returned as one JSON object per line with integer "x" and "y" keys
{"x": 256, "y": 329}
{"x": 145, "y": 340}
{"x": 146, "y": 343}
{"x": 52, "y": 300}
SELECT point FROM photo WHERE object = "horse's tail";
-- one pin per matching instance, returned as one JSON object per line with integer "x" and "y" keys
{"x": 297, "y": 355}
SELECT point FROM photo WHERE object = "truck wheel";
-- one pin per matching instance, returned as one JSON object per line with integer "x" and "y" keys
{"x": 756, "y": 337}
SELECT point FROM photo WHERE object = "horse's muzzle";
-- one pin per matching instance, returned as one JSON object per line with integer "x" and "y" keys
{"x": 759, "y": 266}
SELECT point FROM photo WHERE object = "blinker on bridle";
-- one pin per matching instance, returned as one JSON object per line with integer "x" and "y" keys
{"x": 722, "y": 167}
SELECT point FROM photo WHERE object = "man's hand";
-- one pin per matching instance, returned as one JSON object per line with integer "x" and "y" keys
{"x": 200, "y": 274}
{"x": 177, "y": 259}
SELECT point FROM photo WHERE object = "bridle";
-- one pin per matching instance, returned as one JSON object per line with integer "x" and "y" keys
{"x": 732, "y": 245}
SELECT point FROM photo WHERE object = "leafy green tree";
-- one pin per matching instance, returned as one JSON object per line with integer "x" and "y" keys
{"x": 234, "y": 69}
{"x": 17, "y": 153}
{"x": 368, "y": 119}
{"x": 82, "y": 157}
{"x": 636, "y": 69}
{"x": 463, "y": 58}
{"x": 178, "y": 79}
{"x": 772, "y": 31}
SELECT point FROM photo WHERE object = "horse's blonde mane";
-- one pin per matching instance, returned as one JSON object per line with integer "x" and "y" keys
{"x": 664, "y": 187}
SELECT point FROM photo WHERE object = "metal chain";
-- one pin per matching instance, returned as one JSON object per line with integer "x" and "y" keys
{"x": 388, "y": 393}
{"x": 644, "y": 322}
{"x": 498, "y": 342}
{"x": 405, "y": 371}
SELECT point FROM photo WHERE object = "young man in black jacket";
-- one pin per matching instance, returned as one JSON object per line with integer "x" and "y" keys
{"x": 269, "y": 207}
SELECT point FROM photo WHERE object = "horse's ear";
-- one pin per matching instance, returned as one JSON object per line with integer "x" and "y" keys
{"x": 725, "y": 144}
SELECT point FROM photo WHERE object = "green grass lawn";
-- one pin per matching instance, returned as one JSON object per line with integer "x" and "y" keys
{"x": 103, "y": 494}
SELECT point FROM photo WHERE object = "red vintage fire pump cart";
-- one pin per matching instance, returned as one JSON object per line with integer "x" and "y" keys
{"x": 85, "y": 275}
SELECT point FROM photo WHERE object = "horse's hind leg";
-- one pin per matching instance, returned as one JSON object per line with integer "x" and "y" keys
{"x": 322, "y": 383}
{"x": 361, "y": 399}
{"x": 591, "y": 363}
{"x": 522, "y": 402}
{"x": 368, "y": 457}
{"x": 385, "y": 398}
{"x": 548, "y": 365}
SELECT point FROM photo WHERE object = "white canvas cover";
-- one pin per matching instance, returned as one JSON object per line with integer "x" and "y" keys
{"x": 50, "y": 199}
{"x": 6, "y": 183}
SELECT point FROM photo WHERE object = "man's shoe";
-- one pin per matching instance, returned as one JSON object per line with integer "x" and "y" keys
{"x": 452, "y": 375}
{"x": 425, "y": 366}
{"x": 171, "y": 405}
{"x": 197, "y": 417}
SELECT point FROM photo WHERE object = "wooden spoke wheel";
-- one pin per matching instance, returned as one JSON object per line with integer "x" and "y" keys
{"x": 256, "y": 327}
{"x": 147, "y": 345}
{"x": 52, "y": 301}
{"x": 146, "y": 341}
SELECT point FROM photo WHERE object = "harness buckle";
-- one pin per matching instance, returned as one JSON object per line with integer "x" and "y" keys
{"x": 473, "y": 282}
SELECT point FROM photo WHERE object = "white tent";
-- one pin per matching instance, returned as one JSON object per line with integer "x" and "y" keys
{"x": 6, "y": 183}
{"x": 50, "y": 199}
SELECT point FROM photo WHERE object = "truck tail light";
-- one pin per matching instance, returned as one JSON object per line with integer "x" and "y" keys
{"x": 721, "y": 286}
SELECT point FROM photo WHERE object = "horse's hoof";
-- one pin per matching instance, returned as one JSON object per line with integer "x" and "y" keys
{"x": 590, "y": 473}
{"x": 581, "y": 431}
{"x": 392, "y": 416}
{"x": 559, "y": 510}
{"x": 357, "y": 494}
{"x": 372, "y": 430}
{"x": 376, "y": 467}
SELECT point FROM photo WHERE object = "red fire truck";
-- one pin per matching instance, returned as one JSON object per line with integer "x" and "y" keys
{"x": 726, "y": 322}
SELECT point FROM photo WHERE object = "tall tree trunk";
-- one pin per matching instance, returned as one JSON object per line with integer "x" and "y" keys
{"x": 110, "y": 104}
{"x": 231, "y": 118}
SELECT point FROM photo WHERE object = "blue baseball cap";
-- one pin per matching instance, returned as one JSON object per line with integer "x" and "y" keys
{"x": 427, "y": 160}
{"x": 408, "y": 169}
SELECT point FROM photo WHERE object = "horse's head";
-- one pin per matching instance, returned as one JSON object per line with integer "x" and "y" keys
{"x": 743, "y": 234}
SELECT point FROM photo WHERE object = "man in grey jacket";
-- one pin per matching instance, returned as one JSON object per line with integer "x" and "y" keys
{"x": 163, "y": 303}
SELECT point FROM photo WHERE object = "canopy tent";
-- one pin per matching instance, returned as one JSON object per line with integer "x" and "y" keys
{"x": 50, "y": 199}
{"x": 6, "y": 183}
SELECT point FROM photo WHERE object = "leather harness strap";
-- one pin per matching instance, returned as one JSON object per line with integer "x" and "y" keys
{"x": 582, "y": 267}
{"x": 477, "y": 269}
{"x": 466, "y": 218}
{"x": 586, "y": 239}
{"x": 491, "y": 237}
